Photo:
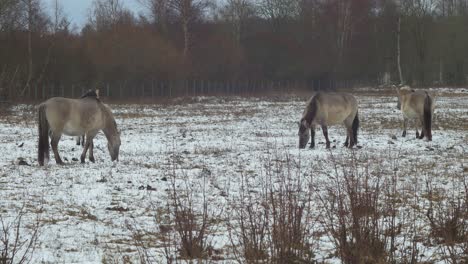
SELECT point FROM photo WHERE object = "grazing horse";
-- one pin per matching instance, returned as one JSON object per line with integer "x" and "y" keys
{"x": 76, "y": 117}
{"x": 416, "y": 105}
{"x": 327, "y": 109}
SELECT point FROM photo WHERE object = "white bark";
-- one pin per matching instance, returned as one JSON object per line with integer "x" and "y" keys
{"x": 398, "y": 51}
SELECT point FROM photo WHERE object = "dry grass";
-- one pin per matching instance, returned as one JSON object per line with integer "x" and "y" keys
{"x": 447, "y": 217}
{"x": 18, "y": 240}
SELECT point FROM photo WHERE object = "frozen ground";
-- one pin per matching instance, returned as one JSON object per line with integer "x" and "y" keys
{"x": 207, "y": 143}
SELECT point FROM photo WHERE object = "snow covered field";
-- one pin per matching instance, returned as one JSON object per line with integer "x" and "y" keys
{"x": 223, "y": 147}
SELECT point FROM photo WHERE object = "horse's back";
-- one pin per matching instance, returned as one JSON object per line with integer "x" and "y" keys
{"x": 72, "y": 116}
{"x": 57, "y": 110}
{"x": 413, "y": 104}
{"x": 337, "y": 107}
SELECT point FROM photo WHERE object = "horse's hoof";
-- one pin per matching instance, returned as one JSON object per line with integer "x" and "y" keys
{"x": 92, "y": 159}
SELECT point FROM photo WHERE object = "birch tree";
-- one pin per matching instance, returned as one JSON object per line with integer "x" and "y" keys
{"x": 105, "y": 14}
{"x": 278, "y": 12}
{"x": 188, "y": 12}
{"x": 236, "y": 13}
{"x": 160, "y": 13}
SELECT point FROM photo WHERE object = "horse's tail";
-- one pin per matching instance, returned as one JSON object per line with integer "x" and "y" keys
{"x": 43, "y": 149}
{"x": 428, "y": 116}
{"x": 355, "y": 127}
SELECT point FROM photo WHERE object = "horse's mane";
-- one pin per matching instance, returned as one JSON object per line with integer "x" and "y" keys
{"x": 311, "y": 109}
{"x": 108, "y": 113}
{"x": 90, "y": 94}
{"x": 407, "y": 88}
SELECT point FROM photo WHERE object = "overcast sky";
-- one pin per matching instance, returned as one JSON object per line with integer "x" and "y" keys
{"x": 77, "y": 10}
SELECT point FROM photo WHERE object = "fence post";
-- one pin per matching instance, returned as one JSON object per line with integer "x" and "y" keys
{"x": 194, "y": 87}
{"x": 170, "y": 89}
{"x": 160, "y": 86}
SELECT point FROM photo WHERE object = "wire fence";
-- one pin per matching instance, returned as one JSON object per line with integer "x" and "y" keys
{"x": 154, "y": 89}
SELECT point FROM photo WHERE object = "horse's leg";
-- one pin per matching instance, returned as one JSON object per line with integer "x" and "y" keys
{"x": 325, "y": 134}
{"x": 88, "y": 145}
{"x": 55, "y": 138}
{"x": 421, "y": 136}
{"x": 83, "y": 154}
{"x": 312, "y": 136}
{"x": 417, "y": 132}
{"x": 85, "y": 149}
{"x": 351, "y": 137}
{"x": 405, "y": 123}
{"x": 348, "y": 124}
{"x": 91, "y": 151}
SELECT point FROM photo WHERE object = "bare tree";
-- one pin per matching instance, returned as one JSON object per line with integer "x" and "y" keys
{"x": 105, "y": 14}
{"x": 236, "y": 13}
{"x": 345, "y": 28}
{"x": 35, "y": 21}
{"x": 418, "y": 13}
{"x": 9, "y": 14}
{"x": 188, "y": 12}
{"x": 160, "y": 12}
{"x": 279, "y": 11}
{"x": 400, "y": 74}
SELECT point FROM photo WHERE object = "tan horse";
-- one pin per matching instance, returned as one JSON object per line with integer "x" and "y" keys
{"x": 417, "y": 105}
{"x": 327, "y": 109}
{"x": 76, "y": 117}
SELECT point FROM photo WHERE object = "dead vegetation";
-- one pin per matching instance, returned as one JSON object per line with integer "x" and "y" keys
{"x": 274, "y": 226}
{"x": 18, "y": 237}
{"x": 447, "y": 217}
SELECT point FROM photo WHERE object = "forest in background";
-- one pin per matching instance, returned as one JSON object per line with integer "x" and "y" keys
{"x": 232, "y": 42}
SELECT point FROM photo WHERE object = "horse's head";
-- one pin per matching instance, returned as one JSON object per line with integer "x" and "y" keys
{"x": 401, "y": 91}
{"x": 113, "y": 145}
{"x": 113, "y": 139}
{"x": 304, "y": 133}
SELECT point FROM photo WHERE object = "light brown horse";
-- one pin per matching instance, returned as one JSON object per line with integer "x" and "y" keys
{"x": 417, "y": 105}
{"x": 327, "y": 109}
{"x": 76, "y": 117}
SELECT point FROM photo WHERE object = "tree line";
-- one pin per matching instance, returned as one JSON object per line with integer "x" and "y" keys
{"x": 416, "y": 42}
